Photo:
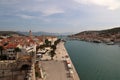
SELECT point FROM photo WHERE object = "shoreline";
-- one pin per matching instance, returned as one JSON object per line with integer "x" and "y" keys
{"x": 97, "y": 41}
{"x": 75, "y": 74}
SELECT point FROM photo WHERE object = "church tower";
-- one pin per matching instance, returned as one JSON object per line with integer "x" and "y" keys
{"x": 30, "y": 33}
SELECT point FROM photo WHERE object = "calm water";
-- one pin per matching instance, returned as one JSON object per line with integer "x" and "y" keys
{"x": 95, "y": 61}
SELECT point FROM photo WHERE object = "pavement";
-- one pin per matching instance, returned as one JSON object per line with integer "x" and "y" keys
{"x": 57, "y": 69}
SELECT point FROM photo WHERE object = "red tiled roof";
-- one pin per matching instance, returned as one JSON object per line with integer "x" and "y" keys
{"x": 1, "y": 44}
{"x": 11, "y": 45}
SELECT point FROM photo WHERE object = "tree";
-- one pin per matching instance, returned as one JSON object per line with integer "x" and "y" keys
{"x": 52, "y": 54}
{"x": 57, "y": 41}
{"x": 53, "y": 47}
{"x": 41, "y": 47}
{"x": 3, "y": 57}
{"x": 1, "y": 50}
{"x": 47, "y": 42}
{"x": 17, "y": 50}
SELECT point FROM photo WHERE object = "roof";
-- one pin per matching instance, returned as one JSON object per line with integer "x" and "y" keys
{"x": 11, "y": 45}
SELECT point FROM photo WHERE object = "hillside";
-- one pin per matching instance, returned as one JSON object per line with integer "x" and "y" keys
{"x": 46, "y": 33}
{"x": 109, "y": 35}
{"x": 38, "y": 33}
{"x": 8, "y": 33}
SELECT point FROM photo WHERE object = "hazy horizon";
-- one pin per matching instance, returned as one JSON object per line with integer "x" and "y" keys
{"x": 56, "y": 16}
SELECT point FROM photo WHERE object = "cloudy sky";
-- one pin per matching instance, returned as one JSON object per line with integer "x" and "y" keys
{"x": 59, "y": 15}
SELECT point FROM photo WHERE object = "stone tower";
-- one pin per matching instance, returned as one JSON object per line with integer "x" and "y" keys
{"x": 30, "y": 33}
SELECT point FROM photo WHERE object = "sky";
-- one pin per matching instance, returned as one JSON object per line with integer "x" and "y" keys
{"x": 59, "y": 15}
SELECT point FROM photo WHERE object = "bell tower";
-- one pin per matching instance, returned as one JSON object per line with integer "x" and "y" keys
{"x": 30, "y": 33}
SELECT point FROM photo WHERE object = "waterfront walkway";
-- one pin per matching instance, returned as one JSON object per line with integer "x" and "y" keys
{"x": 62, "y": 54}
{"x": 58, "y": 69}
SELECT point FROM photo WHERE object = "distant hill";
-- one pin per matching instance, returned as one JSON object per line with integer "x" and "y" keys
{"x": 45, "y": 33}
{"x": 107, "y": 35}
{"x": 38, "y": 33}
{"x": 7, "y": 33}
{"x": 34, "y": 33}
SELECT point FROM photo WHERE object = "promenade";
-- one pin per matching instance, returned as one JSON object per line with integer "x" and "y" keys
{"x": 58, "y": 69}
{"x": 62, "y": 54}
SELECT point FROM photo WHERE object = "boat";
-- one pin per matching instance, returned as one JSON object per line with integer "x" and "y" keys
{"x": 110, "y": 43}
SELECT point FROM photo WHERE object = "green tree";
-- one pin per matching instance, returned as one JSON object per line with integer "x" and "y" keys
{"x": 3, "y": 57}
{"x": 16, "y": 50}
{"x": 52, "y": 54}
{"x": 53, "y": 47}
{"x": 41, "y": 47}
{"x": 1, "y": 50}
{"x": 57, "y": 41}
{"x": 47, "y": 42}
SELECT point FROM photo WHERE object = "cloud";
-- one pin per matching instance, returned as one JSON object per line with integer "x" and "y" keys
{"x": 7, "y": 2}
{"x": 59, "y": 14}
{"x": 43, "y": 10}
{"x": 51, "y": 11}
{"x": 42, "y": 7}
{"x": 25, "y": 16}
{"x": 110, "y": 4}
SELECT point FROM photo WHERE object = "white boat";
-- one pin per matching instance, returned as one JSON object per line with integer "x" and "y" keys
{"x": 110, "y": 43}
{"x": 69, "y": 65}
